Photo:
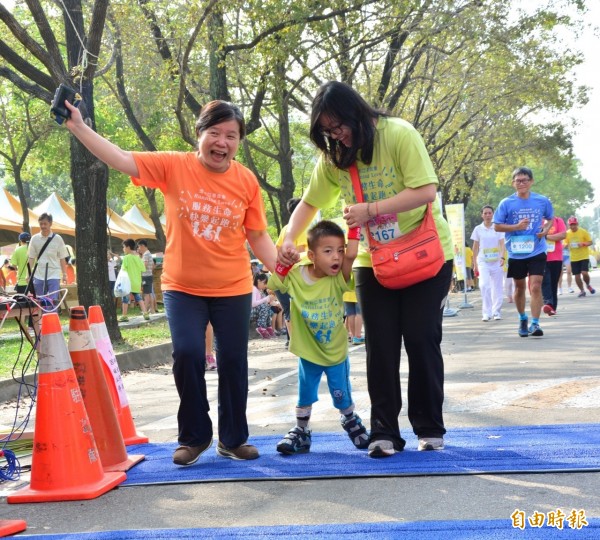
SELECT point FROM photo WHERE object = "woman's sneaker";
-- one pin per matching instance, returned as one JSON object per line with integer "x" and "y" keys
{"x": 431, "y": 443}
{"x": 297, "y": 441}
{"x": 270, "y": 331}
{"x": 381, "y": 448}
{"x": 356, "y": 431}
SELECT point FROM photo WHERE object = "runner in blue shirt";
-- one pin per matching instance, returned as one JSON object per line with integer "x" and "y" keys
{"x": 521, "y": 217}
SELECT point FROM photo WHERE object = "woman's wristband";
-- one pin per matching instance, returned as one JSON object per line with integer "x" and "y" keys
{"x": 369, "y": 210}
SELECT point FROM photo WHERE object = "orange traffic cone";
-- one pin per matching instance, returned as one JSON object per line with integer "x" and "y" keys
{"x": 114, "y": 381}
{"x": 65, "y": 465}
{"x": 11, "y": 526}
{"x": 96, "y": 396}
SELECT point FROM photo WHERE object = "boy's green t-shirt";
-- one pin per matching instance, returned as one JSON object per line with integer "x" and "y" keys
{"x": 134, "y": 267}
{"x": 317, "y": 315}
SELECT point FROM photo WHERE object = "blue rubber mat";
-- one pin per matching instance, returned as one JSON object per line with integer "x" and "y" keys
{"x": 515, "y": 449}
{"x": 455, "y": 530}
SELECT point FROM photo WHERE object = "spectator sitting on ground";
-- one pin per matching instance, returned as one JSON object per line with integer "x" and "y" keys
{"x": 277, "y": 314}
{"x": 261, "y": 307}
{"x": 211, "y": 356}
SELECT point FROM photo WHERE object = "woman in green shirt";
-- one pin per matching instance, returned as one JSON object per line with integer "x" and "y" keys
{"x": 398, "y": 182}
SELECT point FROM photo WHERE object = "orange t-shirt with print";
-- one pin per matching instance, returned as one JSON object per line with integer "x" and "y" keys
{"x": 207, "y": 217}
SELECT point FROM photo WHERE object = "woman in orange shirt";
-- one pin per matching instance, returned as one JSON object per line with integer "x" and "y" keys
{"x": 213, "y": 205}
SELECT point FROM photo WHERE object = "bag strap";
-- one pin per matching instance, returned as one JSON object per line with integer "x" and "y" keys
{"x": 356, "y": 185}
{"x": 32, "y": 272}
{"x": 358, "y": 193}
{"x": 39, "y": 256}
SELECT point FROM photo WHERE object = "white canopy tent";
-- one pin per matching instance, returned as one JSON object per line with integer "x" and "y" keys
{"x": 11, "y": 219}
{"x": 117, "y": 226}
{"x": 63, "y": 220}
{"x": 139, "y": 218}
{"x": 62, "y": 213}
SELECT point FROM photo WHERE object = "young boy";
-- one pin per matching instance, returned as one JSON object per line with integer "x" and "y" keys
{"x": 133, "y": 265}
{"x": 320, "y": 338}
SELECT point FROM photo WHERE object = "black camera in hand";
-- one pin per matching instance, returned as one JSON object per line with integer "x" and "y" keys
{"x": 57, "y": 109}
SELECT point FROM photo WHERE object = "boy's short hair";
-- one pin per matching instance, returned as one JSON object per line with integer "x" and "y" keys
{"x": 323, "y": 229}
{"x": 45, "y": 217}
{"x": 130, "y": 243}
{"x": 143, "y": 242}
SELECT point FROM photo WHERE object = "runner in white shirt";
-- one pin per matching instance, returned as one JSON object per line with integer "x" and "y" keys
{"x": 488, "y": 260}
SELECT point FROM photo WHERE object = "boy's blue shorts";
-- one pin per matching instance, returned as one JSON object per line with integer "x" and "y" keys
{"x": 136, "y": 296}
{"x": 338, "y": 380}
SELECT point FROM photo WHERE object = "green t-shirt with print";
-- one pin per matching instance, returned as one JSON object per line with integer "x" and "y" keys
{"x": 317, "y": 315}
{"x": 400, "y": 160}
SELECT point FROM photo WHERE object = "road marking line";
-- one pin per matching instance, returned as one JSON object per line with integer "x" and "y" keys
{"x": 267, "y": 382}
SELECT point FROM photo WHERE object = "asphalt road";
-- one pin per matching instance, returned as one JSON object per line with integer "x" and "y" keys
{"x": 493, "y": 377}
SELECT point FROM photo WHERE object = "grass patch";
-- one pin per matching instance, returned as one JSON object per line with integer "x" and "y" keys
{"x": 146, "y": 335}
{"x": 15, "y": 349}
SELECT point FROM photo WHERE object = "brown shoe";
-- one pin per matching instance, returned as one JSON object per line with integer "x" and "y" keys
{"x": 242, "y": 452}
{"x": 188, "y": 455}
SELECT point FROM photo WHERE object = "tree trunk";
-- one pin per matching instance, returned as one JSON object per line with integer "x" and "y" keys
{"x": 161, "y": 239}
{"x": 89, "y": 177}
{"x": 217, "y": 61}
{"x": 286, "y": 167}
{"x": 21, "y": 191}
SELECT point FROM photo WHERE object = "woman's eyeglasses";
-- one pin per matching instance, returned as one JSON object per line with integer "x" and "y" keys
{"x": 335, "y": 131}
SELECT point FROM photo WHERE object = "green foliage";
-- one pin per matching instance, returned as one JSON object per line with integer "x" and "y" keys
{"x": 15, "y": 348}
{"x": 478, "y": 80}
